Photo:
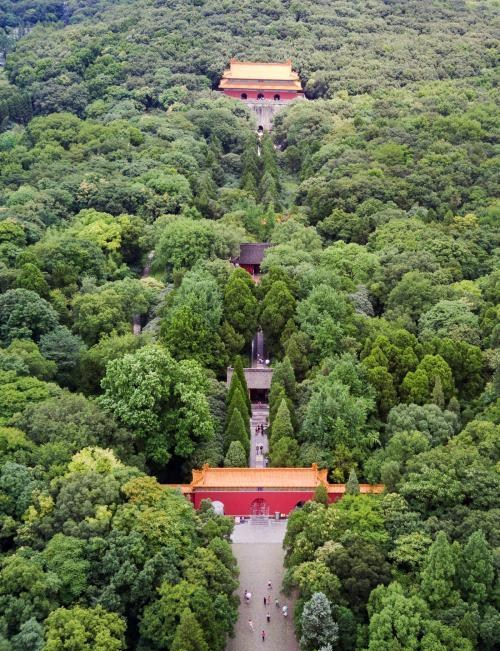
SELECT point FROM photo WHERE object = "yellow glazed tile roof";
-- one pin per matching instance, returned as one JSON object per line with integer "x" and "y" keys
{"x": 258, "y": 477}
{"x": 252, "y": 478}
{"x": 258, "y": 70}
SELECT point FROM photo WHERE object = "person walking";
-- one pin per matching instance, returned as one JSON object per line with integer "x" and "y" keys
{"x": 269, "y": 585}
{"x": 268, "y": 617}
{"x": 265, "y": 601}
{"x": 277, "y": 603}
{"x": 251, "y": 626}
{"x": 285, "y": 611}
{"x": 263, "y": 635}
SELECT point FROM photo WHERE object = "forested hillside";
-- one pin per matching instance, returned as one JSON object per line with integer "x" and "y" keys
{"x": 378, "y": 302}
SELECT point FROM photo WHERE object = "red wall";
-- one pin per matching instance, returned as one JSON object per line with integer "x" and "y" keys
{"x": 285, "y": 95}
{"x": 250, "y": 268}
{"x": 240, "y": 502}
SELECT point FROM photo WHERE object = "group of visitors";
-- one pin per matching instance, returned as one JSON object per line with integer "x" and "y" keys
{"x": 267, "y": 604}
{"x": 260, "y": 429}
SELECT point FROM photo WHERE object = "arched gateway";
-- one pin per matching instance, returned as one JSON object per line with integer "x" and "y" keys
{"x": 262, "y": 491}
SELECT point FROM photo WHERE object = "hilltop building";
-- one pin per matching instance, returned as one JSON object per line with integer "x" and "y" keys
{"x": 258, "y": 379}
{"x": 264, "y": 87}
{"x": 251, "y": 256}
{"x": 261, "y": 81}
{"x": 262, "y": 491}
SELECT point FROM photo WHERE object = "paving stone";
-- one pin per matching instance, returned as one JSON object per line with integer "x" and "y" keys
{"x": 259, "y": 551}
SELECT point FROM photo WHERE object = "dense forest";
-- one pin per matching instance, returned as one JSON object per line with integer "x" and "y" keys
{"x": 378, "y": 302}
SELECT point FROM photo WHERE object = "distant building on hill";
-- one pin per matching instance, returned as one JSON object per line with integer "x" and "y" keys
{"x": 251, "y": 256}
{"x": 264, "y": 87}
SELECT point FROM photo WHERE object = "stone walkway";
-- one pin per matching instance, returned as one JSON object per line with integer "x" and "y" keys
{"x": 260, "y": 414}
{"x": 258, "y": 549}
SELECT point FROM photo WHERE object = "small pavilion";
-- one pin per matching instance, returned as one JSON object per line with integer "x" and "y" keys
{"x": 262, "y": 491}
{"x": 251, "y": 256}
{"x": 258, "y": 379}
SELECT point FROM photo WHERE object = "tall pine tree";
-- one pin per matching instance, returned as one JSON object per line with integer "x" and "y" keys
{"x": 236, "y": 431}
{"x": 438, "y": 574}
{"x": 238, "y": 404}
{"x": 189, "y": 634}
{"x": 476, "y": 569}
{"x": 239, "y": 371}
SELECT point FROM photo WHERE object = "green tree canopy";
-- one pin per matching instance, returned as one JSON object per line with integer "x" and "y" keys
{"x": 162, "y": 401}
{"x": 84, "y": 629}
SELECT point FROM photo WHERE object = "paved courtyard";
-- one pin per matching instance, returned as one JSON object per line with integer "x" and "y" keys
{"x": 258, "y": 549}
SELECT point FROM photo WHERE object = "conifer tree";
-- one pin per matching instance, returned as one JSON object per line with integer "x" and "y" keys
{"x": 476, "y": 569}
{"x": 282, "y": 424}
{"x": 268, "y": 190}
{"x": 236, "y": 456}
{"x": 240, "y": 304}
{"x": 352, "y": 485}
{"x": 234, "y": 386}
{"x": 438, "y": 574}
{"x": 238, "y": 404}
{"x": 189, "y": 634}
{"x": 250, "y": 163}
{"x": 276, "y": 395}
{"x": 454, "y": 406}
{"x": 318, "y": 627}
{"x": 321, "y": 494}
{"x": 289, "y": 330}
{"x": 285, "y": 453}
{"x": 269, "y": 159}
{"x": 283, "y": 374}
{"x": 236, "y": 431}
{"x": 297, "y": 349}
{"x": 239, "y": 371}
{"x": 437, "y": 393}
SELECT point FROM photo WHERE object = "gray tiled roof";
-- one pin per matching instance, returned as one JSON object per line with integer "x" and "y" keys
{"x": 252, "y": 253}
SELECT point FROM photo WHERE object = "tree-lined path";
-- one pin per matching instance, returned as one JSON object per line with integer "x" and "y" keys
{"x": 258, "y": 440}
{"x": 259, "y": 552}
{"x": 259, "y": 444}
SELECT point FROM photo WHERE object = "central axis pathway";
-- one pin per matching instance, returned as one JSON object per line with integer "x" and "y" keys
{"x": 259, "y": 552}
{"x": 259, "y": 444}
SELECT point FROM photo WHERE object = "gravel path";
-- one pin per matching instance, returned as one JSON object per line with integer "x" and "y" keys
{"x": 258, "y": 549}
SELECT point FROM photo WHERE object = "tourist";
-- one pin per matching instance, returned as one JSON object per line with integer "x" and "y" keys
{"x": 269, "y": 585}
{"x": 263, "y": 635}
{"x": 268, "y": 617}
{"x": 265, "y": 601}
{"x": 285, "y": 611}
{"x": 277, "y": 603}
{"x": 250, "y": 625}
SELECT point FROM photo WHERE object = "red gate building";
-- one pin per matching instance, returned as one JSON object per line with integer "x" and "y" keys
{"x": 261, "y": 81}
{"x": 242, "y": 491}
